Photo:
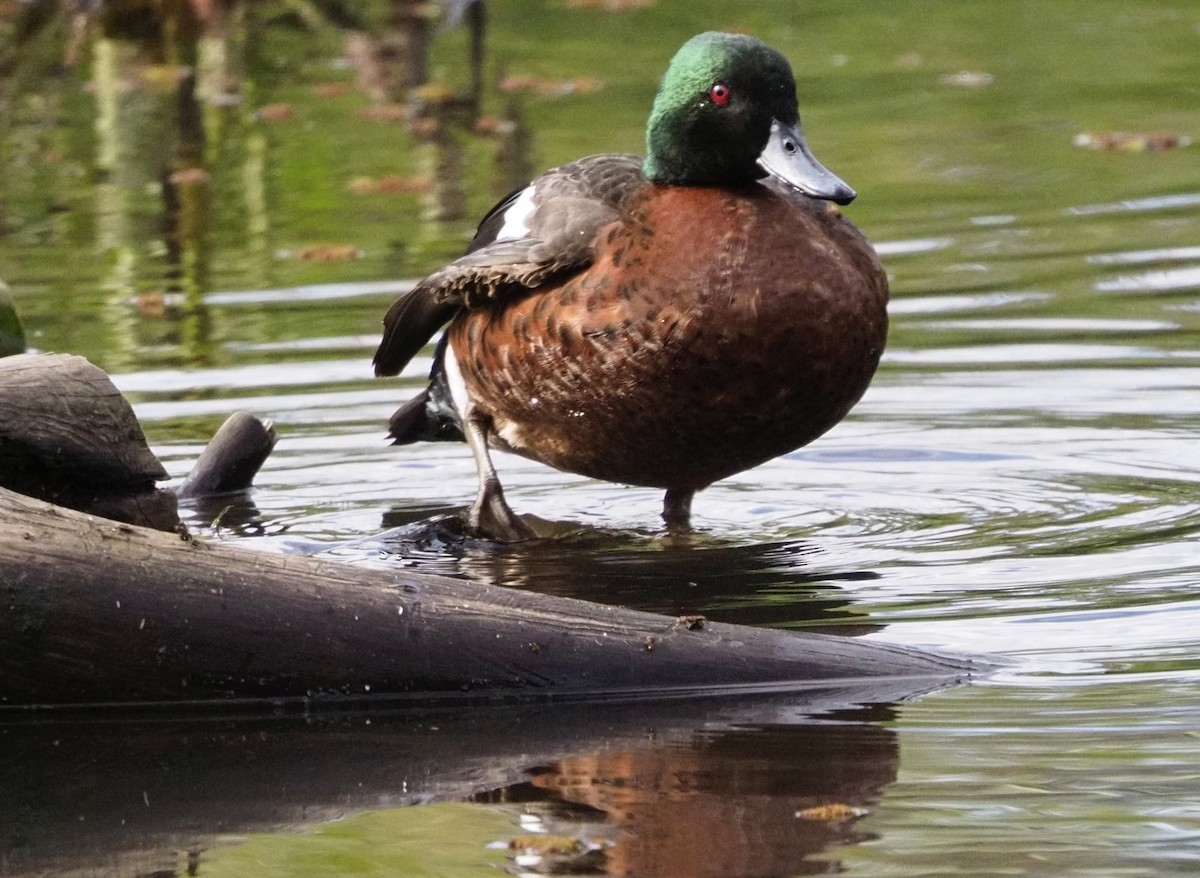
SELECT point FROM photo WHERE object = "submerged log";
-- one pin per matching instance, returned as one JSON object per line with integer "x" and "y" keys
{"x": 232, "y": 458}
{"x": 96, "y": 612}
{"x": 69, "y": 437}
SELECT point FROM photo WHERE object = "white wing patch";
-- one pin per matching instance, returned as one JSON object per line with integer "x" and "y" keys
{"x": 509, "y": 434}
{"x": 458, "y": 387}
{"x": 516, "y": 218}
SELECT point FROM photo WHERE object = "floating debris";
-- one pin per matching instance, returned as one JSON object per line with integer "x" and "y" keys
{"x": 549, "y": 88}
{"x": 152, "y": 305}
{"x": 557, "y": 854}
{"x": 834, "y": 812}
{"x": 328, "y": 253}
{"x": 611, "y": 5}
{"x": 384, "y": 113}
{"x": 968, "y": 79}
{"x": 332, "y": 89}
{"x": 275, "y": 113}
{"x": 189, "y": 177}
{"x": 1124, "y": 141}
{"x": 494, "y": 126}
{"x": 390, "y": 184}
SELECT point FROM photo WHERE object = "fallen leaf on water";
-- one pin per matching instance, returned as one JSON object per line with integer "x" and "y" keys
{"x": 1125, "y": 141}
{"x": 549, "y": 88}
{"x": 546, "y": 845}
{"x": 332, "y": 89}
{"x": 383, "y": 113}
{"x": 276, "y": 112}
{"x": 558, "y": 854}
{"x": 834, "y": 812}
{"x": 390, "y": 184}
{"x": 328, "y": 253}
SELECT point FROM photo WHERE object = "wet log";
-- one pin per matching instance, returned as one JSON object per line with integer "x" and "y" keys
{"x": 97, "y": 612}
{"x": 69, "y": 437}
{"x": 232, "y": 458}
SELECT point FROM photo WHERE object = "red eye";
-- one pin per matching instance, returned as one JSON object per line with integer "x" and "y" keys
{"x": 720, "y": 94}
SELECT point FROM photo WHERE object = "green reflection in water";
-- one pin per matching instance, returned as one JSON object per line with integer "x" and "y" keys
{"x": 968, "y": 112}
{"x": 432, "y": 840}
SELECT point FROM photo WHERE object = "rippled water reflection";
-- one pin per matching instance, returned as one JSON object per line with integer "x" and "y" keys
{"x": 1020, "y": 480}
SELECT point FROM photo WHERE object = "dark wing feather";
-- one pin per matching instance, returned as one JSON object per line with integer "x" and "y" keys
{"x": 571, "y": 204}
{"x": 408, "y": 326}
{"x": 430, "y": 416}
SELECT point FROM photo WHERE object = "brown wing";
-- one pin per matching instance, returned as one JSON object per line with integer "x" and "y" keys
{"x": 547, "y": 229}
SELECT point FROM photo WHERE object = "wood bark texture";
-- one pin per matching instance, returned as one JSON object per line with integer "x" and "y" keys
{"x": 100, "y": 612}
{"x": 68, "y": 436}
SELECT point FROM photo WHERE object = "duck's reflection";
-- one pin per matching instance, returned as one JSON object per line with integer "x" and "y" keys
{"x": 747, "y": 802}
{"x": 746, "y": 785}
{"x": 758, "y": 583}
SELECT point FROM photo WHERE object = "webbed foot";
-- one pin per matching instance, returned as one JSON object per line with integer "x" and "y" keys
{"x": 492, "y": 518}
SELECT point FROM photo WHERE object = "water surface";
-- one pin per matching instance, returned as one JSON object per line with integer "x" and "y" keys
{"x": 1020, "y": 480}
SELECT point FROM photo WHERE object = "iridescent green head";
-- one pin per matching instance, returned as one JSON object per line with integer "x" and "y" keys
{"x": 726, "y": 114}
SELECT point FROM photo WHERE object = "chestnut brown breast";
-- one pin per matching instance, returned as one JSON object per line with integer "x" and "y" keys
{"x": 716, "y": 329}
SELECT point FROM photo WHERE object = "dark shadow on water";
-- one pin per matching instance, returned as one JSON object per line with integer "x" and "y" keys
{"x": 750, "y": 584}
{"x": 232, "y": 513}
{"x": 736, "y": 785}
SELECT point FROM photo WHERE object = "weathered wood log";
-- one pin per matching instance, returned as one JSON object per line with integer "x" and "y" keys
{"x": 232, "y": 458}
{"x": 68, "y": 436}
{"x": 96, "y": 612}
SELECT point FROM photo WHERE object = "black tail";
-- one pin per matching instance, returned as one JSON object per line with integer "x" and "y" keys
{"x": 430, "y": 416}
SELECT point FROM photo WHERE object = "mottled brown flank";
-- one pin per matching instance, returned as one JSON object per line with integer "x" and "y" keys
{"x": 744, "y": 326}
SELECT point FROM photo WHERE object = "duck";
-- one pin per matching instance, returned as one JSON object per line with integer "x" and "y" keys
{"x": 664, "y": 321}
